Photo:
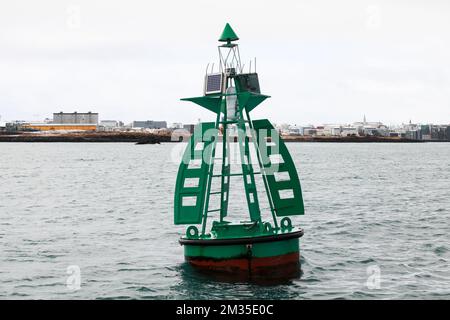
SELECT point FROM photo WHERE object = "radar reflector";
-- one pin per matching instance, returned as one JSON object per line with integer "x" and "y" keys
{"x": 213, "y": 83}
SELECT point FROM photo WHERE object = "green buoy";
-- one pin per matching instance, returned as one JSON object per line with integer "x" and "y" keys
{"x": 255, "y": 247}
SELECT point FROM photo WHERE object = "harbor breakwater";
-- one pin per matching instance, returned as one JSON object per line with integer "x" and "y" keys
{"x": 347, "y": 139}
{"x": 136, "y": 137}
{"x": 151, "y": 138}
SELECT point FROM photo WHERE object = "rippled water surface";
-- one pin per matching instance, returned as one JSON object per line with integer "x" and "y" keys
{"x": 107, "y": 208}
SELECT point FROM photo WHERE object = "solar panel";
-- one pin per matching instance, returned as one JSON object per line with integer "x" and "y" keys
{"x": 213, "y": 83}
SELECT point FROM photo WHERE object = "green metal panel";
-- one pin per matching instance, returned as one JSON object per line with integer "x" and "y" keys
{"x": 293, "y": 203}
{"x": 259, "y": 250}
{"x": 250, "y": 100}
{"x": 228, "y": 34}
{"x": 197, "y": 151}
{"x": 212, "y": 103}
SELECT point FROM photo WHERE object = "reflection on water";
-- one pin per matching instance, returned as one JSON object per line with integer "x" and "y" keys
{"x": 195, "y": 284}
{"x": 270, "y": 277}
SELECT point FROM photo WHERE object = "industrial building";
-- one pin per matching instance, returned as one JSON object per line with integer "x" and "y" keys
{"x": 78, "y": 121}
{"x": 75, "y": 118}
{"x": 435, "y": 132}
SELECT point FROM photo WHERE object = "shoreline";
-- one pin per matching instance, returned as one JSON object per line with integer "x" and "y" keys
{"x": 151, "y": 138}
{"x": 132, "y": 137}
{"x": 351, "y": 139}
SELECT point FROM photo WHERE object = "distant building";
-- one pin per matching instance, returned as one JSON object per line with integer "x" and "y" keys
{"x": 426, "y": 132}
{"x": 366, "y": 128}
{"x": 349, "y": 131}
{"x": 110, "y": 125}
{"x": 413, "y": 135}
{"x": 66, "y": 121}
{"x": 411, "y": 131}
{"x": 295, "y": 130}
{"x": 189, "y": 128}
{"x": 2, "y": 125}
{"x": 75, "y": 118}
{"x": 332, "y": 130}
{"x": 309, "y": 131}
{"x": 439, "y": 132}
{"x": 149, "y": 124}
{"x": 369, "y": 131}
{"x": 14, "y": 126}
{"x": 320, "y": 131}
{"x": 176, "y": 125}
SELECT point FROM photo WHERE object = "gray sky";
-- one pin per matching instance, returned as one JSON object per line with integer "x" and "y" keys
{"x": 321, "y": 61}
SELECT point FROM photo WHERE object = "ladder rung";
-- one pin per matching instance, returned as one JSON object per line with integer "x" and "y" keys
{"x": 214, "y": 210}
{"x": 255, "y": 173}
{"x": 231, "y": 121}
{"x": 232, "y": 174}
{"x": 228, "y": 175}
{"x": 215, "y": 192}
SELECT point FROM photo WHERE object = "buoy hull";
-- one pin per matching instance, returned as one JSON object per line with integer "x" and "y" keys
{"x": 275, "y": 257}
{"x": 271, "y": 268}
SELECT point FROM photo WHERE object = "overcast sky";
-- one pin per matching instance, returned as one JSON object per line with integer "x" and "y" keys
{"x": 321, "y": 61}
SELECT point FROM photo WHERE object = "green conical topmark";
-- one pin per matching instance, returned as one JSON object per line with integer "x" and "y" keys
{"x": 228, "y": 34}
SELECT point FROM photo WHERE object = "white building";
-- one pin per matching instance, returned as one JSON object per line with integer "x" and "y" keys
{"x": 109, "y": 125}
{"x": 295, "y": 130}
{"x": 332, "y": 130}
{"x": 320, "y": 131}
{"x": 309, "y": 131}
{"x": 349, "y": 131}
{"x": 176, "y": 125}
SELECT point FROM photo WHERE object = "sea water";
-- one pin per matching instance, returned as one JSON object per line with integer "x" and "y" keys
{"x": 95, "y": 221}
